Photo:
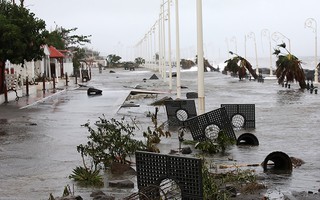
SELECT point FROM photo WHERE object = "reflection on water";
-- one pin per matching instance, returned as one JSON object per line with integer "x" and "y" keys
{"x": 294, "y": 96}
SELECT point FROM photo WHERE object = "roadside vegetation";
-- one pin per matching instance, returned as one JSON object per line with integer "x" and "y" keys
{"x": 239, "y": 66}
{"x": 154, "y": 133}
{"x": 216, "y": 145}
{"x": 109, "y": 142}
{"x": 226, "y": 185}
{"x": 289, "y": 67}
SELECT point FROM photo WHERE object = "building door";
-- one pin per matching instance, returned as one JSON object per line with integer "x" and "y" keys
{"x": 53, "y": 69}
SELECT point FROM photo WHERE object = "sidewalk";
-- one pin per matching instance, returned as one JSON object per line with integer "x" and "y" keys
{"x": 36, "y": 94}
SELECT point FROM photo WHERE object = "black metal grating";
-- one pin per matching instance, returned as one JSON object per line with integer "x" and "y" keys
{"x": 152, "y": 168}
{"x": 180, "y": 110}
{"x": 219, "y": 117}
{"x": 187, "y": 172}
{"x": 247, "y": 111}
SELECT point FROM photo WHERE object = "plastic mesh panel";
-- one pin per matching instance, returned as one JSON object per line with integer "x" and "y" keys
{"x": 187, "y": 172}
{"x": 218, "y": 117}
{"x": 247, "y": 111}
{"x": 152, "y": 168}
{"x": 180, "y": 110}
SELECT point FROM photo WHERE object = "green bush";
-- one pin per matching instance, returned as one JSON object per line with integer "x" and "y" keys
{"x": 87, "y": 177}
{"x": 220, "y": 144}
{"x": 153, "y": 135}
{"x": 110, "y": 141}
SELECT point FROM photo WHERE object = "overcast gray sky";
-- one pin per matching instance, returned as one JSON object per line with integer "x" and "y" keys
{"x": 117, "y": 25}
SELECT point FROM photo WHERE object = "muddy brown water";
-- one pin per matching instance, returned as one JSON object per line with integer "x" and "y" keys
{"x": 38, "y": 143}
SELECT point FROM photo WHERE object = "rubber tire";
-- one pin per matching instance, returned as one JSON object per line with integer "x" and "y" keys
{"x": 281, "y": 161}
{"x": 249, "y": 139}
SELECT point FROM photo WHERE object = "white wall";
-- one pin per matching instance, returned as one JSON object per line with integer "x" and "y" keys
{"x": 68, "y": 68}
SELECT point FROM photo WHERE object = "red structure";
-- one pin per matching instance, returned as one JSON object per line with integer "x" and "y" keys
{"x": 54, "y": 53}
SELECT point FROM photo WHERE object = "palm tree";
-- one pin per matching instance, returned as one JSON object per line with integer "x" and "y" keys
{"x": 289, "y": 68}
{"x": 239, "y": 65}
{"x": 113, "y": 60}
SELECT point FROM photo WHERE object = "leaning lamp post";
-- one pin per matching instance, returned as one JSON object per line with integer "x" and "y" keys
{"x": 266, "y": 33}
{"x": 312, "y": 23}
{"x": 253, "y": 36}
{"x": 277, "y": 35}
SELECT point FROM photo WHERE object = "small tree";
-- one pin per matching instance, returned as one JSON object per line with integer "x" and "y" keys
{"x": 289, "y": 67}
{"x": 239, "y": 65}
{"x": 110, "y": 142}
{"x": 153, "y": 134}
{"x": 22, "y": 36}
{"x": 139, "y": 61}
{"x": 62, "y": 38}
{"x": 113, "y": 60}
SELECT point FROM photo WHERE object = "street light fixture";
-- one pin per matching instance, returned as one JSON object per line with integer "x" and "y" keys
{"x": 312, "y": 23}
{"x": 266, "y": 33}
{"x": 277, "y": 35}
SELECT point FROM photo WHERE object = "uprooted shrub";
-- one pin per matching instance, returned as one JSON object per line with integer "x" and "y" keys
{"x": 153, "y": 134}
{"x": 87, "y": 177}
{"x": 109, "y": 141}
{"x": 211, "y": 146}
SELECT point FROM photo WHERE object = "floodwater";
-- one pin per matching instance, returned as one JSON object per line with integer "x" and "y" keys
{"x": 38, "y": 143}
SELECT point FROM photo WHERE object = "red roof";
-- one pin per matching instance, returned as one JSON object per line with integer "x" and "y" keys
{"x": 54, "y": 53}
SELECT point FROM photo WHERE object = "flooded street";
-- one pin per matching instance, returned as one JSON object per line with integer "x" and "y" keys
{"x": 38, "y": 143}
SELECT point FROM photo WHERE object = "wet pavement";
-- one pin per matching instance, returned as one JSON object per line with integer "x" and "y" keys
{"x": 39, "y": 135}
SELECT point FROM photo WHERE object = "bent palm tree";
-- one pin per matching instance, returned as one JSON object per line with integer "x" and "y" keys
{"x": 239, "y": 65}
{"x": 289, "y": 68}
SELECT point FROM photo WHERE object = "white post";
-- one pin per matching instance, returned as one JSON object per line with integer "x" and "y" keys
{"x": 164, "y": 66}
{"x": 253, "y": 36}
{"x": 315, "y": 59}
{"x": 169, "y": 48}
{"x": 146, "y": 46}
{"x": 255, "y": 48}
{"x": 151, "y": 48}
{"x": 309, "y": 23}
{"x": 155, "y": 46}
{"x": 228, "y": 49}
{"x": 266, "y": 32}
{"x": 178, "y": 52}
{"x": 160, "y": 43}
{"x": 245, "y": 46}
{"x": 201, "y": 97}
